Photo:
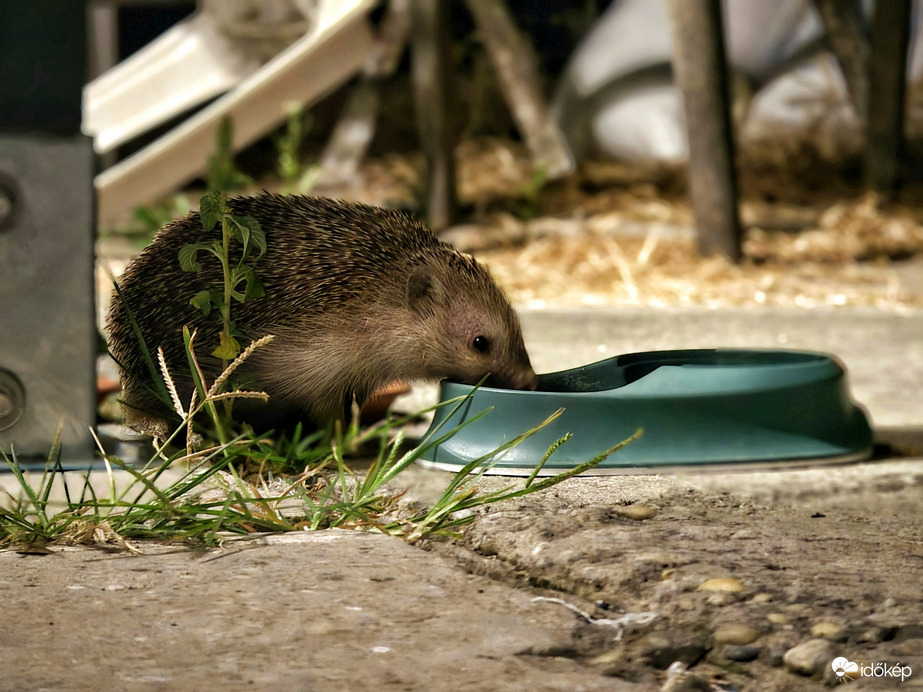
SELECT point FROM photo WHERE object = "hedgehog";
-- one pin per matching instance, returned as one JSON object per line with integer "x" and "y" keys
{"x": 356, "y": 296}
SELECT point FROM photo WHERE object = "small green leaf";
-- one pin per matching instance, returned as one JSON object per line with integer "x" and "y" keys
{"x": 211, "y": 208}
{"x": 187, "y": 257}
{"x": 240, "y": 231}
{"x": 237, "y": 277}
{"x": 203, "y": 301}
{"x": 257, "y": 236}
{"x": 245, "y": 275}
{"x": 228, "y": 349}
{"x": 254, "y": 286}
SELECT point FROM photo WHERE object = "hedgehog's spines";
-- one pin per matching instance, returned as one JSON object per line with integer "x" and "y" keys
{"x": 337, "y": 299}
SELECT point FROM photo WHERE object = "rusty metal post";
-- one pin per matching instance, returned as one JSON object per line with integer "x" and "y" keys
{"x": 700, "y": 72}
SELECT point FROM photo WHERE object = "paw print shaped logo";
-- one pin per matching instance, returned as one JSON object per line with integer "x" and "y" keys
{"x": 845, "y": 669}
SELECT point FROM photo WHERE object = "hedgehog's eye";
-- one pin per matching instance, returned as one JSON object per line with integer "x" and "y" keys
{"x": 481, "y": 344}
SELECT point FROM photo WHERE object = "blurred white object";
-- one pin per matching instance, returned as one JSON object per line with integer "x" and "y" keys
{"x": 156, "y": 83}
{"x": 809, "y": 101}
{"x": 189, "y": 64}
{"x": 645, "y": 126}
{"x": 617, "y": 96}
{"x": 761, "y": 36}
{"x": 630, "y": 36}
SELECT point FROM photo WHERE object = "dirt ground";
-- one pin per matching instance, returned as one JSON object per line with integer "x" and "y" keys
{"x": 737, "y": 579}
{"x": 700, "y": 581}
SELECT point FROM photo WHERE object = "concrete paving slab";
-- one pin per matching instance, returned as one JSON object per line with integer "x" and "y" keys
{"x": 335, "y": 610}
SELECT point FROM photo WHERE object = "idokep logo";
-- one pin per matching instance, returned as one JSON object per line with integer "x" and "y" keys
{"x": 847, "y": 670}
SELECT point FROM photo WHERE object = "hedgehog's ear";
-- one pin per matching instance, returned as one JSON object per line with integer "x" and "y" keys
{"x": 423, "y": 289}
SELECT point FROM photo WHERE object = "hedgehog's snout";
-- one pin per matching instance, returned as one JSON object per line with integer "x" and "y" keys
{"x": 526, "y": 380}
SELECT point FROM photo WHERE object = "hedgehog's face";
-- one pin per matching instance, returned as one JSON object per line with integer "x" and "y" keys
{"x": 473, "y": 332}
{"x": 487, "y": 348}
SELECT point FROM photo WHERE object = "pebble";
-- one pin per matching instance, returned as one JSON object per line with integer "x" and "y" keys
{"x": 686, "y": 603}
{"x": 741, "y": 652}
{"x": 722, "y": 584}
{"x": 777, "y": 618}
{"x": 809, "y": 657}
{"x": 636, "y": 512}
{"x": 761, "y": 597}
{"x": 828, "y": 630}
{"x": 735, "y": 633}
{"x": 797, "y": 609}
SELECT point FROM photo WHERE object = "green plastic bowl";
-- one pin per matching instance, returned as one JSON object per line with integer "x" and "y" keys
{"x": 719, "y": 407}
